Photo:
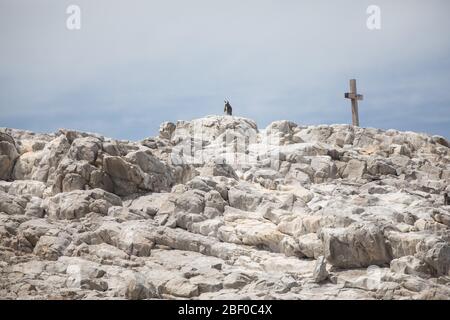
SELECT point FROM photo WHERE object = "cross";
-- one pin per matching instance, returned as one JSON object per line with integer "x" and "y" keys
{"x": 352, "y": 95}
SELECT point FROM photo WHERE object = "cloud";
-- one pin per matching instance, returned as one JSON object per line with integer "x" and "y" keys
{"x": 137, "y": 63}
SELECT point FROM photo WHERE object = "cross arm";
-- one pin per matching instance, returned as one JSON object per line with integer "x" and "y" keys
{"x": 354, "y": 96}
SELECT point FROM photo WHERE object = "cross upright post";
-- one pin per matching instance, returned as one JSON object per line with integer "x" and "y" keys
{"x": 354, "y": 97}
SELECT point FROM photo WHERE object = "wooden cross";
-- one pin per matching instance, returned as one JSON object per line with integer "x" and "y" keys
{"x": 354, "y": 96}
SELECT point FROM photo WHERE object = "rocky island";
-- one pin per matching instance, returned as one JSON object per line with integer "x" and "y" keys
{"x": 215, "y": 208}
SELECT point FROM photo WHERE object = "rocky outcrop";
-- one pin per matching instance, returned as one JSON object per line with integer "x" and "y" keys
{"x": 355, "y": 246}
{"x": 216, "y": 208}
{"x": 76, "y": 204}
{"x": 8, "y": 156}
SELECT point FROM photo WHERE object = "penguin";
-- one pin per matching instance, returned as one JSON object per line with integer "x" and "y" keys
{"x": 228, "y": 110}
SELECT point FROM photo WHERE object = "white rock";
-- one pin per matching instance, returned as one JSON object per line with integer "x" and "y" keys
{"x": 214, "y": 208}
{"x": 320, "y": 272}
{"x": 356, "y": 246}
{"x": 8, "y": 155}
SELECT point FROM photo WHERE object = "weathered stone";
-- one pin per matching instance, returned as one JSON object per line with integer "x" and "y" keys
{"x": 320, "y": 272}
{"x": 34, "y": 208}
{"x": 380, "y": 167}
{"x": 27, "y": 188}
{"x": 404, "y": 244}
{"x": 191, "y": 201}
{"x": 180, "y": 287}
{"x": 243, "y": 199}
{"x": 8, "y": 156}
{"x": 410, "y": 265}
{"x": 310, "y": 245}
{"x": 12, "y": 205}
{"x": 30, "y": 232}
{"x": 236, "y": 281}
{"x": 354, "y": 169}
{"x": 76, "y": 204}
{"x": 166, "y": 130}
{"x": 438, "y": 257}
{"x": 52, "y": 154}
{"x": 85, "y": 275}
{"x": 85, "y": 148}
{"x": 50, "y": 247}
{"x": 214, "y": 208}
{"x": 355, "y": 247}
{"x": 137, "y": 288}
{"x": 125, "y": 176}
{"x": 140, "y": 171}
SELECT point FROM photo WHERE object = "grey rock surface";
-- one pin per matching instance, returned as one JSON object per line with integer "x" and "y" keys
{"x": 216, "y": 208}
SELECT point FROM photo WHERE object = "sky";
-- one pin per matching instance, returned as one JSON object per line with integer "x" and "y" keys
{"x": 137, "y": 63}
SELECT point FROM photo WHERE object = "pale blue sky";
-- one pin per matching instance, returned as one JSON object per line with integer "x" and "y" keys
{"x": 136, "y": 63}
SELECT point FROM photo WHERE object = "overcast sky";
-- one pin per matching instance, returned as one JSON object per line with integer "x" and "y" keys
{"x": 137, "y": 63}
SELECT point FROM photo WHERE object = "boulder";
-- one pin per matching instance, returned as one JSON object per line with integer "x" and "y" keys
{"x": 52, "y": 154}
{"x": 85, "y": 148}
{"x": 107, "y": 252}
{"x": 139, "y": 171}
{"x": 404, "y": 244}
{"x": 76, "y": 204}
{"x": 356, "y": 246}
{"x": 236, "y": 280}
{"x": 11, "y": 204}
{"x": 354, "y": 169}
{"x": 192, "y": 201}
{"x": 180, "y": 287}
{"x": 440, "y": 140}
{"x": 320, "y": 272}
{"x": 244, "y": 199}
{"x": 34, "y": 208}
{"x": 438, "y": 258}
{"x": 380, "y": 167}
{"x": 166, "y": 130}
{"x": 51, "y": 247}
{"x": 310, "y": 245}
{"x": 410, "y": 265}
{"x": 125, "y": 176}
{"x": 27, "y": 164}
{"x": 27, "y": 188}
{"x": 137, "y": 287}
{"x": 218, "y": 169}
{"x": 134, "y": 240}
{"x": 32, "y": 230}
{"x": 7, "y": 138}
{"x": 8, "y": 156}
